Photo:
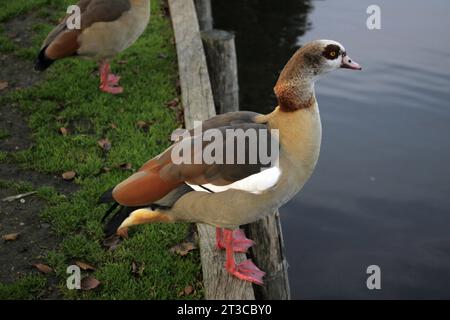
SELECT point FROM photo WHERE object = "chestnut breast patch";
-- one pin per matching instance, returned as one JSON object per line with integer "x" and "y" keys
{"x": 331, "y": 51}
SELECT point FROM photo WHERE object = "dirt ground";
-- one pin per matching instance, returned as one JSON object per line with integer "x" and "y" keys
{"x": 22, "y": 215}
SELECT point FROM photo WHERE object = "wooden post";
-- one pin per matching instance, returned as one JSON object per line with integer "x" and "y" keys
{"x": 204, "y": 14}
{"x": 222, "y": 65}
{"x": 198, "y": 104}
{"x": 269, "y": 255}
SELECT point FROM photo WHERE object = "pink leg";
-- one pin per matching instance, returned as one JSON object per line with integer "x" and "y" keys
{"x": 240, "y": 242}
{"x": 113, "y": 79}
{"x": 108, "y": 81}
{"x": 246, "y": 270}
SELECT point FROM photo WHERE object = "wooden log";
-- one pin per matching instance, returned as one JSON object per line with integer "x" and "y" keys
{"x": 196, "y": 92}
{"x": 204, "y": 14}
{"x": 223, "y": 70}
{"x": 269, "y": 255}
{"x": 198, "y": 104}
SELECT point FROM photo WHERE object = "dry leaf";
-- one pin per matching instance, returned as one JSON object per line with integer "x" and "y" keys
{"x": 63, "y": 131}
{"x": 85, "y": 266}
{"x": 89, "y": 283}
{"x": 11, "y": 237}
{"x": 105, "y": 170}
{"x": 137, "y": 268}
{"x": 105, "y": 144}
{"x": 43, "y": 268}
{"x": 173, "y": 104}
{"x": 183, "y": 248}
{"x": 3, "y": 85}
{"x": 126, "y": 166}
{"x": 69, "y": 175}
{"x": 188, "y": 290}
{"x": 112, "y": 242}
{"x": 141, "y": 124}
{"x": 113, "y": 125}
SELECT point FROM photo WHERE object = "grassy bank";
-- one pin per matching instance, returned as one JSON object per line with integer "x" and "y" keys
{"x": 137, "y": 124}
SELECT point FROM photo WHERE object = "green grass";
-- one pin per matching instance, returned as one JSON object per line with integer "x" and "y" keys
{"x": 69, "y": 97}
{"x": 28, "y": 287}
{"x": 3, "y": 133}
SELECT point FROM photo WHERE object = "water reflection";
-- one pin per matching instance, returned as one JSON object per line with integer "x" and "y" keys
{"x": 266, "y": 38}
{"x": 380, "y": 193}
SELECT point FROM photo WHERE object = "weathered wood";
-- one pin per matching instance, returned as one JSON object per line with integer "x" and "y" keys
{"x": 204, "y": 14}
{"x": 219, "y": 285}
{"x": 269, "y": 255}
{"x": 223, "y": 70}
{"x": 196, "y": 93}
{"x": 198, "y": 104}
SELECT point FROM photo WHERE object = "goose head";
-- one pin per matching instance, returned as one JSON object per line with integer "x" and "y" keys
{"x": 334, "y": 56}
{"x": 295, "y": 86}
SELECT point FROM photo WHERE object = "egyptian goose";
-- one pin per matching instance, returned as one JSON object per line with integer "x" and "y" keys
{"x": 229, "y": 195}
{"x": 107, "y": 28}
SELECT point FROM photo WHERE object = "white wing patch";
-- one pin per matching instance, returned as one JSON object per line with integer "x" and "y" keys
{"x": 256, "y": 183}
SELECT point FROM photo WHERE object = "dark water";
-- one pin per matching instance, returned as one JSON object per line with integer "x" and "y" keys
{"x": 381, "y": 191}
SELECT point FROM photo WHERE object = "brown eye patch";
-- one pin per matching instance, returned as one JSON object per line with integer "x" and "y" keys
{"x": 331, "y": 51}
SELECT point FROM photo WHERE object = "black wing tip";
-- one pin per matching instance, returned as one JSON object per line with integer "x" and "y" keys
{"x": 107, "y": 197}
{"x": 42, "y": 61}
{"x": 114, "y": 223}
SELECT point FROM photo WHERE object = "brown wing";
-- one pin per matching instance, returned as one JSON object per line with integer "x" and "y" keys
{"x": 161, "y": 175}
{"x": 62, "y": 42}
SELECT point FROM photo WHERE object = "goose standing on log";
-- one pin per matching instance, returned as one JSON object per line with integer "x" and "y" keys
{"x": 108, "y": 27}
{"x": 229, "y": 195}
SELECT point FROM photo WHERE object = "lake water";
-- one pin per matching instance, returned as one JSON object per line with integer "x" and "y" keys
{"x": 380, "y": 194}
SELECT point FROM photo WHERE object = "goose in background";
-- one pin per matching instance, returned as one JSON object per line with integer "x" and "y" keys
{"x": 108, "y": 27}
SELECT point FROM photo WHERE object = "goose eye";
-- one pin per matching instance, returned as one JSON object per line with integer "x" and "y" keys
{"x": 333, "y": 54}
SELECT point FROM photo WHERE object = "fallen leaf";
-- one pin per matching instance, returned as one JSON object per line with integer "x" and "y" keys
{"x": 85, "y": 266}
{"x": 43, "y": 268}
{"x": 173, "y": 103}
{"x": 126, "y": 166}
{"x": 141, "y": 124}
{"x": 113, "y": 125}
{"x": 63, "y": 131}
{"x": 183, "y": 248}
{"x": 11, "y": 237}
{"x": 122, "y": 62}
{"x": 89, "y": 283}
{"x": 188, "y": 290}
{"x": 3, "y": 85}
{"x": 69, "y": 175}
{"x": 105, "y": 169}
{"x": 105, "y": 144}
{"x": 137, "y": 268}
{"x": 112, "y": 242}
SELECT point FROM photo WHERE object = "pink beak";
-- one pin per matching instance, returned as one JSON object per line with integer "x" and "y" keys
{"x": 347, "y": 63}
